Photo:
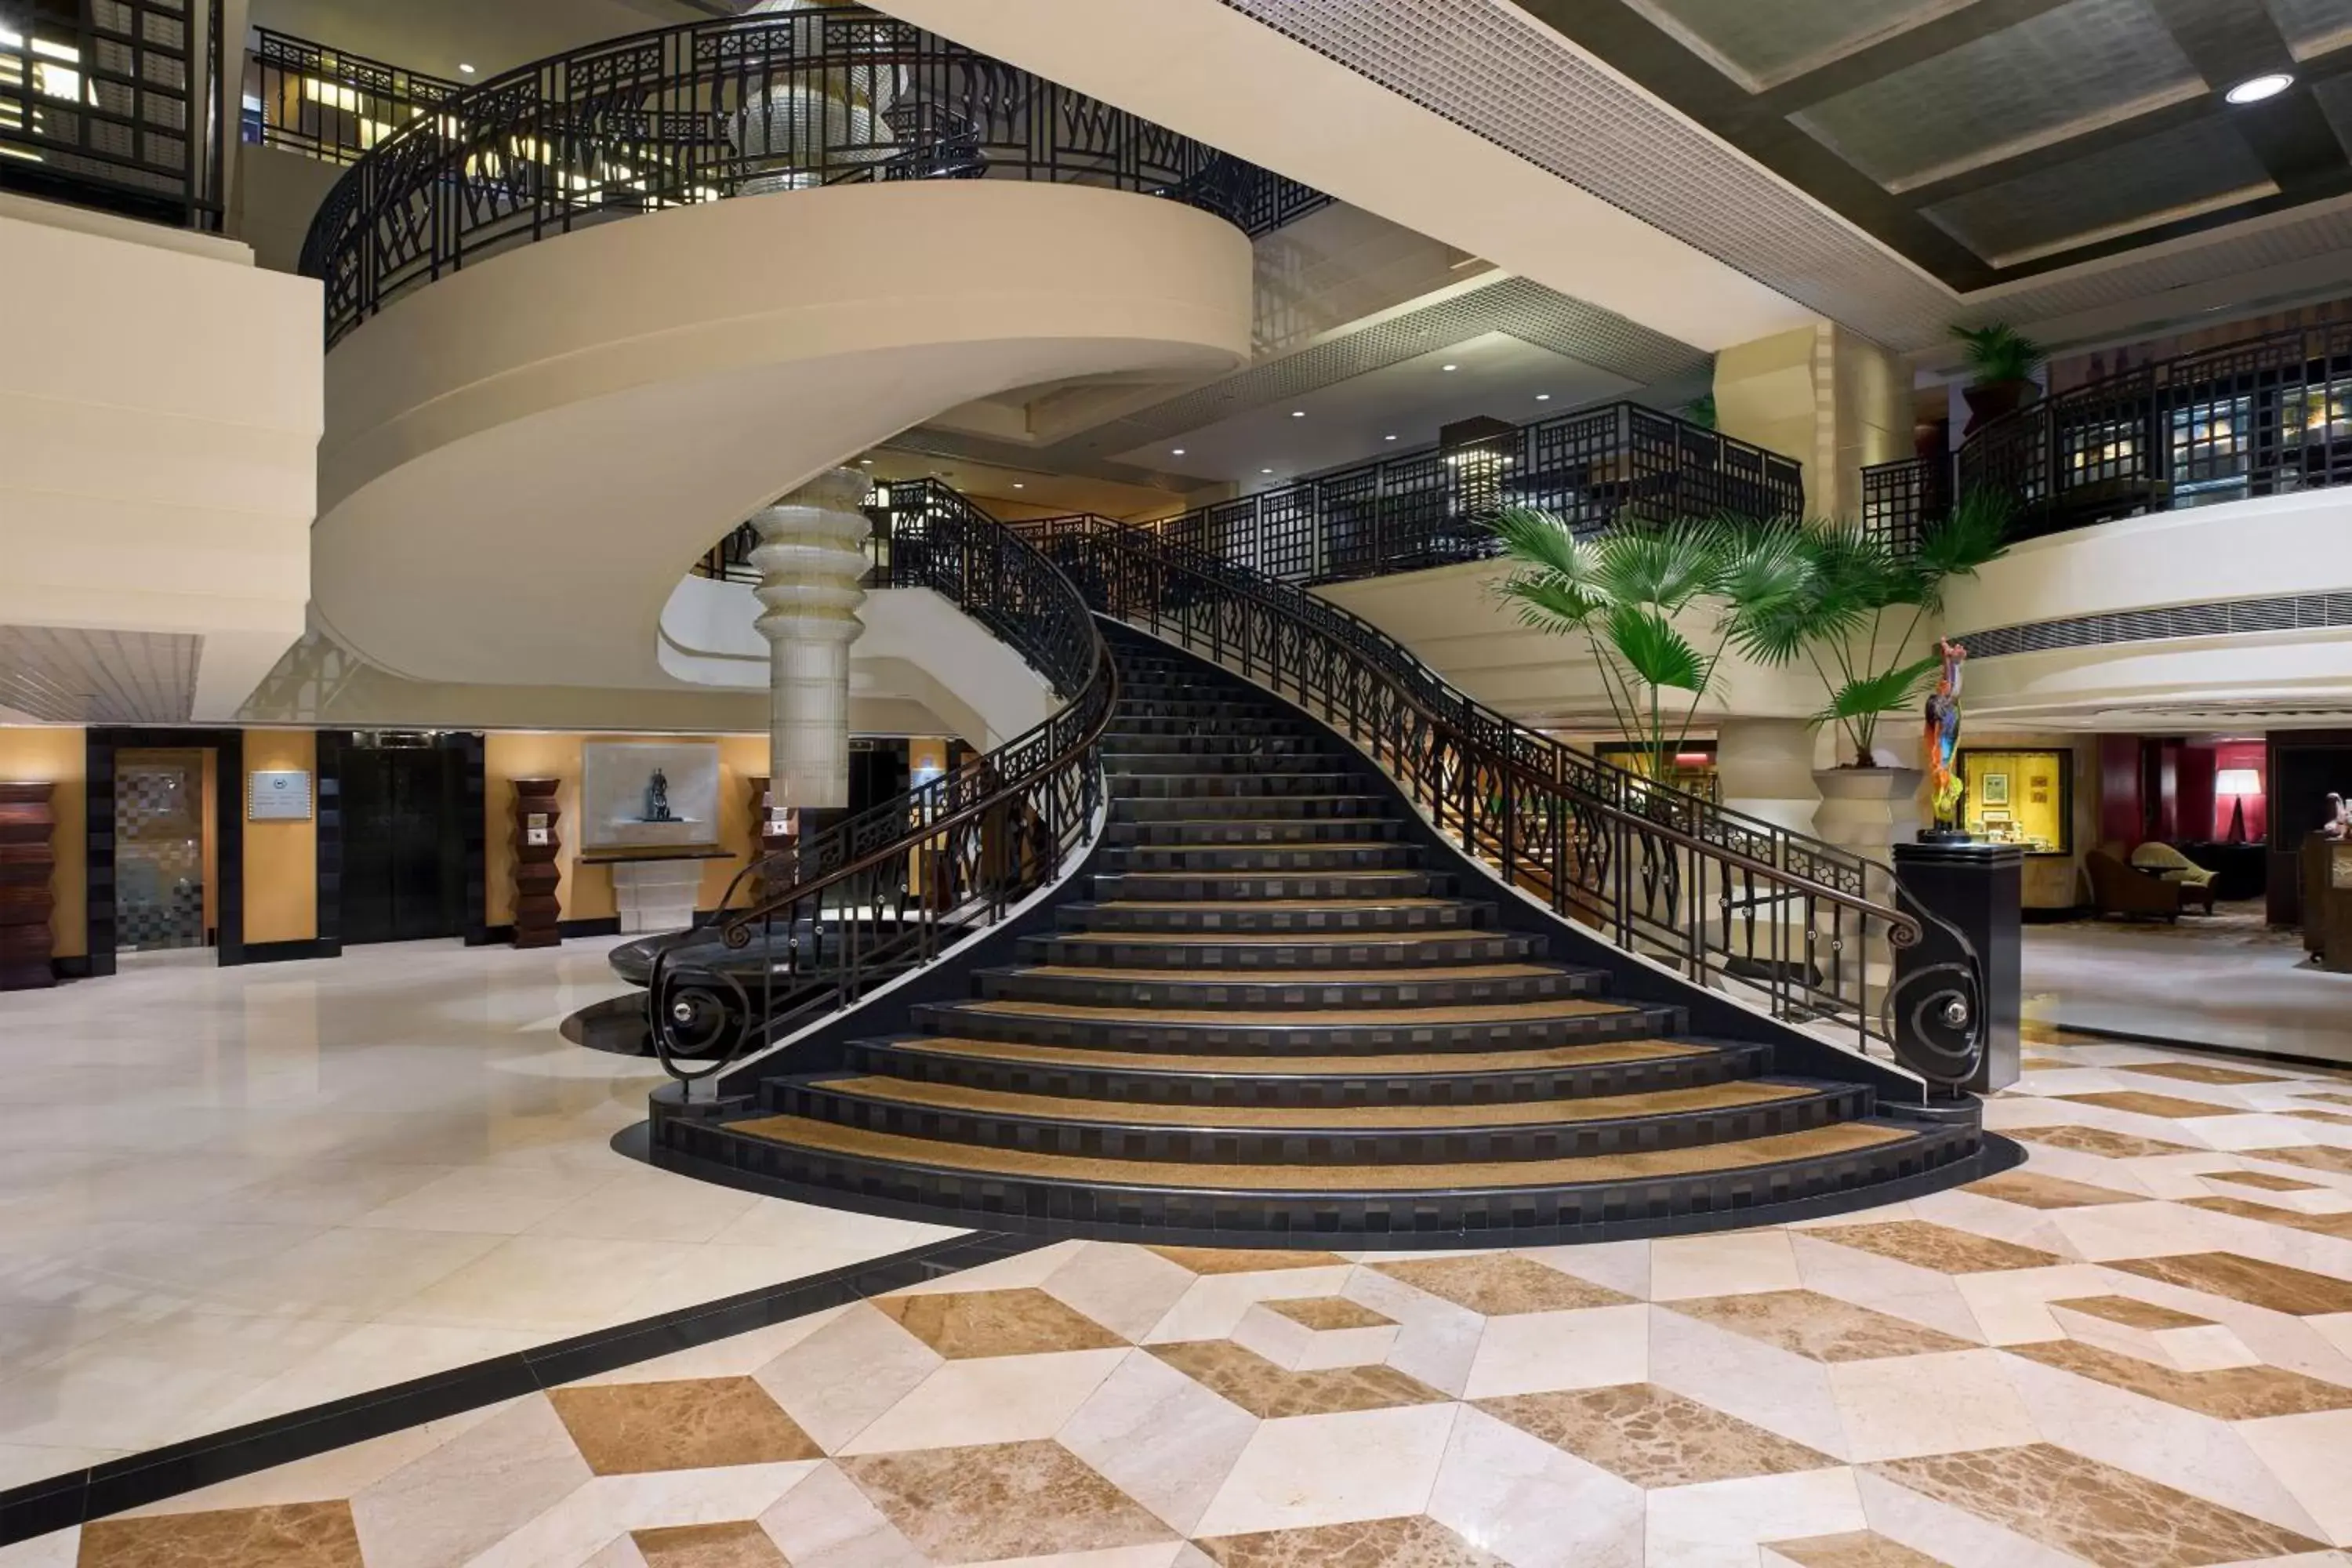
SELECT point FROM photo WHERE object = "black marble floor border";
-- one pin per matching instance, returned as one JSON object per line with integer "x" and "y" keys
{"x": 2161, "y": 1042}
{"x": 38, "y": 1508}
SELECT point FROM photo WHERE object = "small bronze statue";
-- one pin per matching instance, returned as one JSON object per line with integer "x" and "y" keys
{"x": 657, "y": 798}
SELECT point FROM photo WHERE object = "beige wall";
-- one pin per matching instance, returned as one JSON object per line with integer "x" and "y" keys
{"x": 58, "y": 756}
{"x": 160, "y": 411}
{"x": 2052, "y": 882}
{"x": 1834, "y": 401}
{"x": 281, "y": 858}
{"x": 278, "y": 194}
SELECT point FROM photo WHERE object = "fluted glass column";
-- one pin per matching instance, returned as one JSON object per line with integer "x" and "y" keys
{"x": 810, "y": 557}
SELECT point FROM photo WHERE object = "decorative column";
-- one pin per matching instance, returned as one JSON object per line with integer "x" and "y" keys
{"x": 1766, "y": 766}
{"x": 1828, "y": 397}
{"x": 27, "y": 860}
{"x": 538, "y": 911}
{"x": 809, "y": 558}
{"x": 1958, "y": 994}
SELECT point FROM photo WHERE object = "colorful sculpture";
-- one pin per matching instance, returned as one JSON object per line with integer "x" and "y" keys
{"x": 1943, "y": 739}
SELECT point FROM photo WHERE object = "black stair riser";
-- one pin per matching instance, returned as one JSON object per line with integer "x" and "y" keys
{"x": 1208, "y": 1036}
{"x": 1261, "y": 1146}
{"x": 1228, "y": 787}
{"x": 1214, "y": 833}
{"x": 909, "y": 1059}
{"x": 1254, "y": 958}
{"x": 1207, "y": 808}
{"x": 1180, "y": 886}
{"x": 1301, "y": 920}
{"x": 1667, "y": 1205}
{"x": 1150, "y": 857}
{"x": 1158, "y": 726}
{"x": 1196, "y": 764}
{"x": 1222, "y": 742}
{"x": 1272, "y": 993}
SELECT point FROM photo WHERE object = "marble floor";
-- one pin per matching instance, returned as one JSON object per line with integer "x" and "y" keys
{"x": 226, "y": 1193}
{"x": 2133, "y": 1351}
{"x": 2233, "y": 984}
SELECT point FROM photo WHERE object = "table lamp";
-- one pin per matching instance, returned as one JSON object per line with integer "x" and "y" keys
{"x": 2238, "y": 783}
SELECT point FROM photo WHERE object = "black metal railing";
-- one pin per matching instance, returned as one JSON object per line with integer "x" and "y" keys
{"x": 714, "y": 110}
{"x": 114, "y": 104}
{"x": 888, "y": 889}
{"x": 2266, "y": 416}
{"x": 1423, "y": 509}
{"x": 328, "y": 104}
{"x": 1900, "y": 500}
{"x": 1730, "y": 902}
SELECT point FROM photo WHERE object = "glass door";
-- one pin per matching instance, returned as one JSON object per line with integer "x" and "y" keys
{"x": 160, "y": 835}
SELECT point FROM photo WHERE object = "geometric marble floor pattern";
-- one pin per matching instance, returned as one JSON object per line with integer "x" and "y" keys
{"x": 2135, "y": 1351}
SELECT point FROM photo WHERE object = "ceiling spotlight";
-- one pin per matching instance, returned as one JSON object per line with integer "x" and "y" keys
{"x": 1298, "y": 414}
{"x": 1543, "y": 397}
{"x": 463, "y": 69}
{"x": 1019, "y": 485}
{"x": 864, "y": 462}
{"x": 1266, "y": 470}
{"x": 1449, "y": 367}
{"x": 2253, "y": 89}
{"x": 1177, "y": 451}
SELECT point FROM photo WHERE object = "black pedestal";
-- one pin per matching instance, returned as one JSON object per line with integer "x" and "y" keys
{"x": 1977, "y": 889}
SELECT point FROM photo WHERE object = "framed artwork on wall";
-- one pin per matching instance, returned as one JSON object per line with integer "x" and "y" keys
{"x": 1994, "y": 789}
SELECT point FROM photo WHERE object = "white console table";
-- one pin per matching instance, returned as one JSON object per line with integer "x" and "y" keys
{"x": 655, "y": 888}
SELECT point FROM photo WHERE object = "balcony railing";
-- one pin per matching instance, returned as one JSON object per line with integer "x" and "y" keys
{"x": 1429, "y": 509}
{"x": 2267, "y": 416}
{"x": 109, "y": 103}
{"x": 328, "y": 104}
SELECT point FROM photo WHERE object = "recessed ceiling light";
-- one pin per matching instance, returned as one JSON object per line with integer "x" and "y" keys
{"x": 1178, "y": 451}
{"x": 465, "y": 69}
{"x": 1543, "y": 397}
{"x": 1298, "y": 414}
{"x": 2255, "y": 89}
{"x": 1266, "y": 470}
{"x": 1388, "y": 437}
{"x": 1019, "y": 485}
{"x": 864, "y": 462}
{"x": 1449, "y": 367}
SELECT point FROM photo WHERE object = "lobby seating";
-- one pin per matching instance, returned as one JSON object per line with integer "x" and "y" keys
{"x": 2122, "y": 890}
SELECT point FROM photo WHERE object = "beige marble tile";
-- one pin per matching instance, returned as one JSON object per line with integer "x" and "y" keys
{"x": 285, "y": 1535}
{"x": 2127, "y": 1326}
{"x": 2201, "y": 1072}
{"x": 1936, "y": 1247}
{"x": 1529, "y": 1352}
{"x": 1498, "y": 1284}
{"x": 992, "y": 1399}
{"x": 1268, "y": 1390}
{"x": 1311, "y": 1470}
{"x": 1818, "y": 1327}
{"x": 466, "y": 1495}
{"x": 1416, "y": 1541}
{"x": 1650, "y": 1436}
{"x": 690, "y": 1424}
{"x": 2109, "y": 1516}
{"x": 2277, "y": 1286}
{"x": 2307, "y": 1454}
{"x": 1004, "y": 1500}
{"x": 1128, "y": 1290}
{"x": 2100, "y": 1140}
{"x": 740, "y": 1543}
{"x": 1316, "y": 1333}
{"x": 2035, "y": 1189}
{"x": 1027, "y": 1322}
{"x": 2226, "y": 1394}
{"x": 1716, "y": 1524}
{"x": 1721, "y": 1265}
{"x": 1242, "y": 1260}
{"x": 838, "y": 1380}
{"x": 1159, "y": 1437}
{"x": 1942, "y": 1403}
{"x": 1531, "y": 1503}
{"x": 826, "y": 1522}
{"x": 1850, "y": 1548}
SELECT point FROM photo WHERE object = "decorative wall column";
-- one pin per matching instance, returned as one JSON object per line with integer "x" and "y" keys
{"x": 810, "y": 557}
{"x": 28, "y": 863}
{"x": 1829, "y": 398}
{"x": 1766, "y": 769}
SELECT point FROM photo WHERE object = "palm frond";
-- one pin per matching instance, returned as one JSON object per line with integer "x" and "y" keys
{"x": 1542, "y": 542}
{"x": 1668, "y": 564}
{"x": 1889, "y": 691}
{"x": 1658, "y": 655}
{"x": 1974, "y": 534}
{"x": 1549, "y": 604}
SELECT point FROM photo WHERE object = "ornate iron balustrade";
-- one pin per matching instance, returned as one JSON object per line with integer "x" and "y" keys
{"x": 328, "y": 104}
{"x": 1731, "y": 901}
{"x": 1427, "y": 509}
{"x": 2266, "y": 416}
{"x": 886, "y": 890}
{"x": 110, "y": 103}
{"x": 714, "y": 110}
{"x": 1900, "y": 500}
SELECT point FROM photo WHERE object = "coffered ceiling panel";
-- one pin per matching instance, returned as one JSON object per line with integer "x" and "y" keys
{"x": 1763, "y": 45}
{"x": 67, "y": 675}
{"x": 2313, "y": 26}
{"x": 2081, "y": 65}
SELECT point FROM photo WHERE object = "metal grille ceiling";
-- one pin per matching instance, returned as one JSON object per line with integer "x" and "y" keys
{"x": 2287, "y": 613}
{"x": 1509, "y": 76}
{"x": 65, "y": 675}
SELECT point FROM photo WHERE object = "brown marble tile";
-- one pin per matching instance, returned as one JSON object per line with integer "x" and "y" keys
{"x": 2248, "y": 1279}
{"x": 965, "y": 1324}
{"x": 288, "y": 1535}
{"x": 1501, "y": 1284}
{"x": 2310, "y": 1156}
{"x": 2140, "y": 1103}
{"x": 2109, "y": 1517}
{"x": 2099, "y": 1141}
{"x": 1650, "y": 1436}
{"x": 2036, "y": 1189}
{"x": 1936, "y": 1247}
{"x": 2329, "y": 1096}
{"x": 1243, "y": 1260}
{"x": 1322, "y": 1312}
{"x": 1820, "y": 1328}
{"x": 2132, "y": 1312}
{"x": 995, "y": 1500}
{"x": 2336, "y": 1225}
{"x": 2201, "y": 1072}
{"x": 2264, "y": 1180}
{"x": 625, "y": 1428}
{"x": 1855, "y": 1549}
{"x": 739, "y": 1544}
{"x": 1268, "y": 1390}
{"x": 2041, "y": 1063}
{"x": 2333, "y": 1118}
{"x": 2231, "y": 1394}
{"x": 1413, "y": 1541}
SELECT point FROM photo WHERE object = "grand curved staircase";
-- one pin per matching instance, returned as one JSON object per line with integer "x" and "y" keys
{"x": 1275, "y": 1003}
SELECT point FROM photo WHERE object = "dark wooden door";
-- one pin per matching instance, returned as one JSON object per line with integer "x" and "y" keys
{"x": 403, "y": 854}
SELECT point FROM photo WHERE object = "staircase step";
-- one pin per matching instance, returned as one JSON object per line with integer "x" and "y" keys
{"x": 1335, "y": 1032}
{"x": 1222, "y": 740}
{"x": 1225, "y": 760}
{"x": 1179, "y": 887}
{"x": 1248, "y": 830}
{"x": 1303, "y": 991}
{"x": 1254, "y": 808}
{"x": 1228, "y": 1200}
{"x": 1331, "y": 856}
{"x": 1299, "y": 916}
{"x": 1153, "y": 723}
{"x": 1228, "y": 787}
{"x": 1439, "y": 1077}
{"x": 1267, "y": 1135}
{"x": 1276, "y": 953}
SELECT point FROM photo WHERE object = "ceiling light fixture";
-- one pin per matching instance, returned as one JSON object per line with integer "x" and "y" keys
{"x": 1449, "y": 367}
{"x": 864, "y": 462}
{"x": 1019, "y": 485}
{"x": 1298, "y": 414}
{"x": 1543, "y": 397}
{"x": 2255, "y": 89}
{"x": 1388, "y": 437}
{"x": 1266, "y": 470}
{"x": 463, "y": 69}
{"x": 1176, "y": 452}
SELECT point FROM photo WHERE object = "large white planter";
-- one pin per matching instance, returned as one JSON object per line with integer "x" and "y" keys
{"x": 1867, "y": 810}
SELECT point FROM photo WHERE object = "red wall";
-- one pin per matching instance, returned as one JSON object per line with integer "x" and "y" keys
{"x": 2243, "y": 755}
{"x": 2196, "y": 786}
{"x": 2119, "y": 814}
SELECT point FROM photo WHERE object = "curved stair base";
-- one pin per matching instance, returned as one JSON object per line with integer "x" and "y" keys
{"x": 1272, "y": 1017}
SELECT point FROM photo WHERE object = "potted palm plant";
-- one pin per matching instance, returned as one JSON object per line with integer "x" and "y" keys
{"x": 2001, "y": 363}
{"x": 1625, "y": 592}
{"x": 1854, "y": 615}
